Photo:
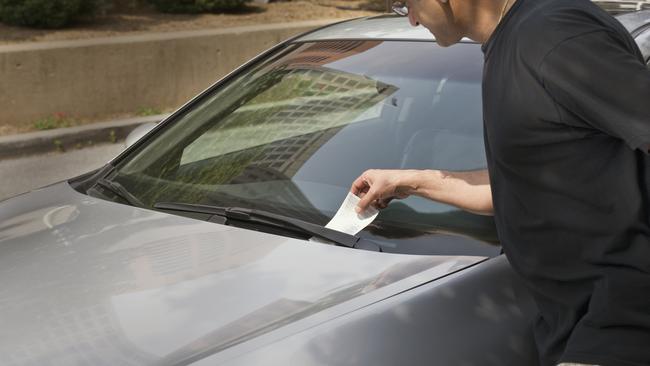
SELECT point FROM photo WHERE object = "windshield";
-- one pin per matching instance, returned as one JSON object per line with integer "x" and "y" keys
{"x": 290, "y": 134}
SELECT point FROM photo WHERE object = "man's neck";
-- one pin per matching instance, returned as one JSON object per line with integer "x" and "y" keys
{"x": 482, "y": 22}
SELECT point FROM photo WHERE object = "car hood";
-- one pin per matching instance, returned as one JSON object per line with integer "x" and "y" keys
{"x": 87, "y": 281}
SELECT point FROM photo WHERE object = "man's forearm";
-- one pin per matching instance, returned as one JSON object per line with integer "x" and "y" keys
{"x": 469, "y": 190}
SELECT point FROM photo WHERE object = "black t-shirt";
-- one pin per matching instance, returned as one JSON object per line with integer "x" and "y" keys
{"x": 566, "y": 98}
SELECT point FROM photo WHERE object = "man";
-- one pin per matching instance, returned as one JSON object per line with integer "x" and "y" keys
{"x": 566, "y": 100}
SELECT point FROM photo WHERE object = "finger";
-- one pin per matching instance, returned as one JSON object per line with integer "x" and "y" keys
{"x": 366, "y": 200}
{"x": 378, "y": 204}
{"x": 383, "y": 203}
{"x": 360, "y": 185}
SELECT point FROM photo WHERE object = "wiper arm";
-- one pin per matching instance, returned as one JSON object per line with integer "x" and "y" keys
{"x": 119, "y": 190}
{"x": 272, "y": 219}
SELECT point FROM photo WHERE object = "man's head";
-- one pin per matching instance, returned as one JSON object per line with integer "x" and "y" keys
{"x": 438, "y": 17}
{"x": 451, "y": 20}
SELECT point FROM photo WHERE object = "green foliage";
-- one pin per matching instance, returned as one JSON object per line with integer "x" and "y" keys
{"x": 217, "y": 5}
{"x": 46, "y": 13}
{"x": 197, "y": 6}
{"x": 148, "y": 111}
{"x": 57, "y": 120}
{"x": 58, "y": 145}
{"x": 176, "y": 6}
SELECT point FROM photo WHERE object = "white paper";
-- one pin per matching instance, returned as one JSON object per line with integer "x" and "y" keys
{"x": 347, "y": 220}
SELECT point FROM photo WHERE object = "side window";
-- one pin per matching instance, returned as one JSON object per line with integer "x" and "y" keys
{"x": 443, "y": 138}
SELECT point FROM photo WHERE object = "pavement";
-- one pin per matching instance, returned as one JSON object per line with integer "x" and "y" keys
{"x": 65, "y": 139}
{"x": 23, "y": 174}
{"x": 32, "y": 160}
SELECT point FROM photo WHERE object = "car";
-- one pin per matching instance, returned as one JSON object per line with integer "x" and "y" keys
{"x": 204, "y": 242}
{"x": 638, "y": 24}
{"x": 616, "y": 7}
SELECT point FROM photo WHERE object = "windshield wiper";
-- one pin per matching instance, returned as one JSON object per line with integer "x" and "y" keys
{"x": 121, "y": 192}
{"x": 259, "y": 217}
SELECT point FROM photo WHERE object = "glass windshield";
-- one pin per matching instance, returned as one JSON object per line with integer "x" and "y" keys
{"x": 291, "y": 133}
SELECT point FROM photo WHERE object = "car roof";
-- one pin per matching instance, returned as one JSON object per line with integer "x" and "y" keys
{"x": 379, "y": 27}
{"x": 395, "y": 27}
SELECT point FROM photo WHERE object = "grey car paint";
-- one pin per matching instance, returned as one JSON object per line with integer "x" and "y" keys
{"x": 635, "y": 21}
{"x": 384, "y": 27}
{"x": 138, "y": 133}
{"x": 478, "y": 317}
{"x": 638, "y": 24}
{"x": 86, "y": 281}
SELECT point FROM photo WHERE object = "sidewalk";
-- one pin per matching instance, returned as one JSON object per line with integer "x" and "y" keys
{"x": 63, "y": 139}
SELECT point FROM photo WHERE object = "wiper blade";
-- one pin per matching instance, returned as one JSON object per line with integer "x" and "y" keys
{"x": 271, "y": 219}
{"x": 119, "y": 190}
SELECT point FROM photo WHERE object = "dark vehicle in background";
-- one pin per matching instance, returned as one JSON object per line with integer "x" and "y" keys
{"x": 617, "y": 7}
{"x": 638, "y": 24}
{"x": 192, "y": 247}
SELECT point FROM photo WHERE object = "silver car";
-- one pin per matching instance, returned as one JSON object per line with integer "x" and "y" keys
{"x": 193, "y": 246}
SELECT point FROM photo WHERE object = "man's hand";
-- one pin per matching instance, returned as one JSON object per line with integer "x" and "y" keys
{"x": 469, "y": 190}
{"x": 379, "y": 187}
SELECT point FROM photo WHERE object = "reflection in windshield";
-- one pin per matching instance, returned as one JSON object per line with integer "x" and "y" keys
{"x": 307, "y": 112}
{"x": 292, "y": 133}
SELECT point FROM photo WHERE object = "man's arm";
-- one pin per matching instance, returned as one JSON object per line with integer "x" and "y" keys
{"x": 469, "y": 191}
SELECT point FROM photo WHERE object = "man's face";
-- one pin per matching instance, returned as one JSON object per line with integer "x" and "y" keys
{"x": 438, "y": 17}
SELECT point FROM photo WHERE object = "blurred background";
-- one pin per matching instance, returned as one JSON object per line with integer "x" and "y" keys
{"x": 66, "y": 68}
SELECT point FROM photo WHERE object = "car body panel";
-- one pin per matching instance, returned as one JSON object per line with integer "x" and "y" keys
{"x": 375, "y": 27}
{"x": 481, "y": 316}
{"x": 643, "y": 40}
{"x": 634, "y": 21}
{"x": 84, "y": 279}
{"x": 616, "y": 7}
{"x": 638, "y": 24}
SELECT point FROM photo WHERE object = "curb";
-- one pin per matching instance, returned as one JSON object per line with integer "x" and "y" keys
{"x": 63, "y": 139}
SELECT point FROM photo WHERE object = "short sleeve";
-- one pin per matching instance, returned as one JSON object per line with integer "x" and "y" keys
{"x": 603, "y": 82}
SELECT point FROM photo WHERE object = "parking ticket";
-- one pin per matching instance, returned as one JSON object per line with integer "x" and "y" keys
{"x": 347, "y": 220}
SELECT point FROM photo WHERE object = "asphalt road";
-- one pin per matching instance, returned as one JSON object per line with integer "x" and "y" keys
{"x": 24, "y": 174}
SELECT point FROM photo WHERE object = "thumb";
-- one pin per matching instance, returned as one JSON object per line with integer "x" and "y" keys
{"x": 366, "y": 200}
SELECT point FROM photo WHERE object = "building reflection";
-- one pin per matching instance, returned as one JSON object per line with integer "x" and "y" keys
{"x": 298, "y": 106}
{"x": 327, "y": 100}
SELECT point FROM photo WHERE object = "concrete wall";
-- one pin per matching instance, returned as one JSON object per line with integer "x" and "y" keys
{"x": 101, "y": 77}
